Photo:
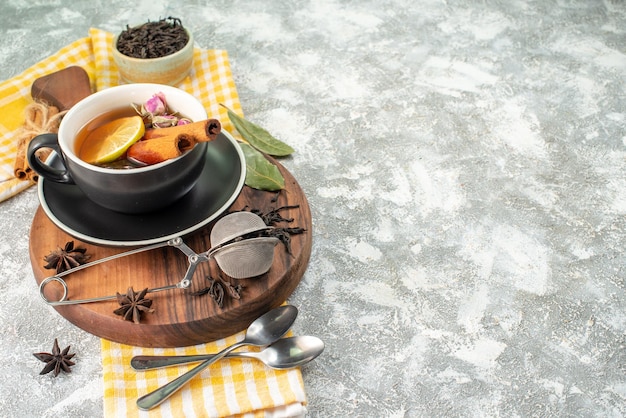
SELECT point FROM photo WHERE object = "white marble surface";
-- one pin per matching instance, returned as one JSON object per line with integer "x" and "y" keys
{"x": 465, "y": 163}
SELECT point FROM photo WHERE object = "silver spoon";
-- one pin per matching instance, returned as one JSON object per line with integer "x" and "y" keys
{"x": 265, "y": 330}
{"x": 285, "y": 353}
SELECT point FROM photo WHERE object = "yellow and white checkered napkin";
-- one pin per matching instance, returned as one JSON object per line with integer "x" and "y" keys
{"x": 243, "y": 388}
{"x": 210, "y": 81}
{"x": 231, "y": 387}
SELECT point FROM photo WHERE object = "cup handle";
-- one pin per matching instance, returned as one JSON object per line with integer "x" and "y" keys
{"x": 44, "y": 170}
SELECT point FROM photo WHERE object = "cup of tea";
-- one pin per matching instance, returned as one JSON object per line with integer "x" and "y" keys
{"x": 129, "y": 190}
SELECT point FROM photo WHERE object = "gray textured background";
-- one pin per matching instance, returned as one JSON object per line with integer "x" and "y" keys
{"x": 465, "y": 165}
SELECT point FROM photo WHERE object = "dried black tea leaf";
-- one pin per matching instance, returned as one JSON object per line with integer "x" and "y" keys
{"x": 272, "y": 217}
{"x": 153, "y": 39}
{"x": 218, "y": 289}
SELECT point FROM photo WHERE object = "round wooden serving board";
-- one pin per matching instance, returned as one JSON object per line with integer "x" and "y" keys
{"x": 180, "y": 319}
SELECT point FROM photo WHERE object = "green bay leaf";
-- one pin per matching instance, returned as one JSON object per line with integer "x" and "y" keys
{"x": 260, "y": 173}
{"x": 258, "y": 137}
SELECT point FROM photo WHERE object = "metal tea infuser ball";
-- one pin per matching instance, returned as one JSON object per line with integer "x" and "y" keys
{"x": 248, "y": 257}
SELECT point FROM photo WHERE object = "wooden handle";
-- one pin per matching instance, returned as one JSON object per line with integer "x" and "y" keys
{"x": 162, "y": 144}
{"x": 63, "y": 88}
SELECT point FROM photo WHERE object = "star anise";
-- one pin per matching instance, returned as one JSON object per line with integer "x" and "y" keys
{"x": 57, "y": 360}
{"x": 66, "y": 258}
{"x": 132, "y": 305}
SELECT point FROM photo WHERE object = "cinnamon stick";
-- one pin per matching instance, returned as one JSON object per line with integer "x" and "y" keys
{"x": 162, "y": 144}
{"x": 20, "y": 167}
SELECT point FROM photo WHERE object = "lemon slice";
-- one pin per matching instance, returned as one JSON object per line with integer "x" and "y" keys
{"x": 110, "y": 141}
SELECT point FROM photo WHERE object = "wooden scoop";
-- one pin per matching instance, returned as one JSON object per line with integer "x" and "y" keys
{"x": 63, "y": 88}
{"x": 162, "y": 144}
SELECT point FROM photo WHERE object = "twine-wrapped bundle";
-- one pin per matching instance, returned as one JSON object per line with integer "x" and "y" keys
{"x": 39, "y": 119}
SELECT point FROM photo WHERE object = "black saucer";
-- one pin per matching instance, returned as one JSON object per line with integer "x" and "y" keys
{"x": 218, "y": 187}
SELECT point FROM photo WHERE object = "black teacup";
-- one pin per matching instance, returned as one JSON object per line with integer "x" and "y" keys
{"x": 134, "y": 190}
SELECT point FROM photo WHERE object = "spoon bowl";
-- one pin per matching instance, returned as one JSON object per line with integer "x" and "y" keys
{"x": 288, "y": 353}
{"x": 285, "y": 353}
{"x": 265, "y": 330}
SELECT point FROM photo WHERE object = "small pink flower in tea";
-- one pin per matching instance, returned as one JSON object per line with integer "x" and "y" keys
{"x": 164, "y": 121}
{"x": 156, "y": 104}
{"x": 156, "y": 114}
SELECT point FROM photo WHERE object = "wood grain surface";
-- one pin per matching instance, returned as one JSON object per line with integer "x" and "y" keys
{"x": 180, "y": 319}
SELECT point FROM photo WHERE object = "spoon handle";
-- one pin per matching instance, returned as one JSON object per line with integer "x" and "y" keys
{"x": 156, "y": 362}
{"x": 159, "y": 395}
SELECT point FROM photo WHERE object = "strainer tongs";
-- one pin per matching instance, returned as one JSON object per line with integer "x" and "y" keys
{"x": 238, "y": 245}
